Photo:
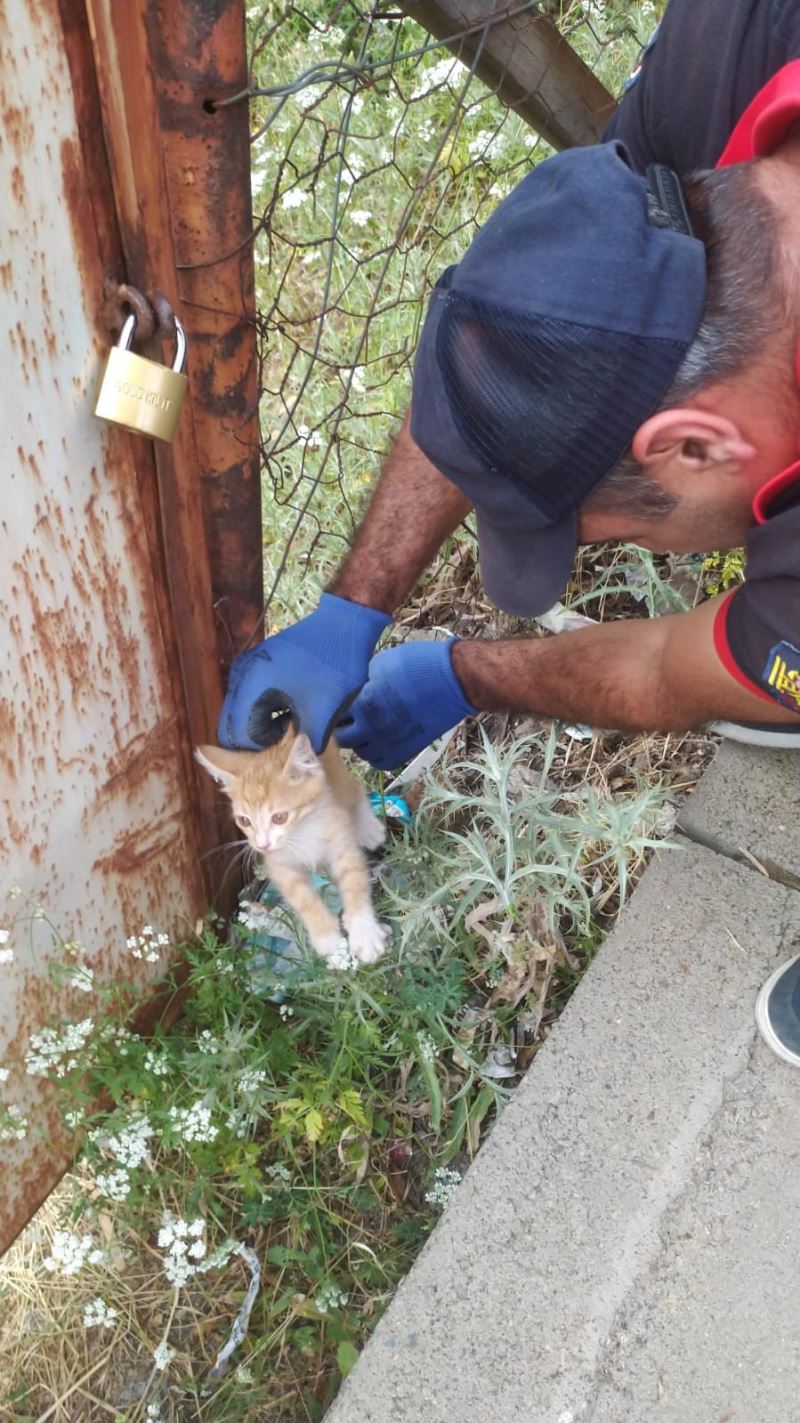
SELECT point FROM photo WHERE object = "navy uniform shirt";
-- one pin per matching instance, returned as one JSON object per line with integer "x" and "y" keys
{"x": 720, "y": 83}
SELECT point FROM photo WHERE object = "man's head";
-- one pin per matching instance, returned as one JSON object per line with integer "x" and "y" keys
{"x": 609, "y": 347}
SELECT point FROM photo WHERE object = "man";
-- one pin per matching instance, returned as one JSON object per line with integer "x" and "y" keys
{"x": 615, "y": 357}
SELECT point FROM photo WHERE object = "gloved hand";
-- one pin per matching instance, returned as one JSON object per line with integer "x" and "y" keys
{"x": 315, "y": 668}
{"x": 412, "y": 696}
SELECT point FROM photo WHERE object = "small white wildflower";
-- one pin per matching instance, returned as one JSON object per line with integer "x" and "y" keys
{"x": 16, "y": 1124}
{"x": 80, "y": 977}
{"x": 6, "y": 956}
{"x": 4, "y": 1074}
{"x": 156, "y": 1063}
{"x": 312, "y": 439}
{"x": 244, "y": 1374}
{"x": 116, "y": 1185}
{"x": 251, "y": 1079}
{"x": 97, "y": 1312}
{"x": 329, "y": 1297}
{"x": 286, "y": 1011}
{"x": 153, "y": 1413}
{"x": 445, "y": 1184}
{"x": 15, "y": 891}
{"x": 280, "y": 1172}
{"x": 208, "y": 1043}
{"x": 193, "y": 1123}
{"x": 73, "y": 1120}
{"x": 360, "y": 216}
{"x": 50, "y": 1051}
{"x": 68, "y": 1252}
{"x": 129, "y": 1146}
{"x": 427, "y": 1047}
{"x": 341, "y": 959}
{"x": 197, "y": 1249}
{"x": 294, "y": 198}
{"x": 163, "y": 1354}
{"x": 357, "y": 103}
{"x": 447, "y": 70}
{"x": 357, "y": 379}
{"x": 196, "y": 1226}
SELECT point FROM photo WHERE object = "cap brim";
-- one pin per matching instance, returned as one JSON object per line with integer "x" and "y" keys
{"x": 525, "y": 570}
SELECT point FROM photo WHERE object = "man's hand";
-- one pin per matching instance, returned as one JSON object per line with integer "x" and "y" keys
{"x": 412, "y": 696}
{"x": 315, "y": 668}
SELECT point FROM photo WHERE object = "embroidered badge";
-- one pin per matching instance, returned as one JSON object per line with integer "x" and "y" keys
{"x": 782, "y": 674}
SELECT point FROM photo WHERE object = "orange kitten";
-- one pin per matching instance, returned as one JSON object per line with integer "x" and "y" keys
{"x": 304, "y": 813}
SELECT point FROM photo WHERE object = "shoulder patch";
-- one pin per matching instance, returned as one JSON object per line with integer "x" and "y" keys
{"x": 781, "y": 674}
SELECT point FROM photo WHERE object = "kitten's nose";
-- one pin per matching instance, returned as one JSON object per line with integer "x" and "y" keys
{"x": 264, "y": 844}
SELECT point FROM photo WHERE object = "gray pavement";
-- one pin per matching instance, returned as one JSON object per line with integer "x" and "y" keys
{"x": 626, "y": 1246}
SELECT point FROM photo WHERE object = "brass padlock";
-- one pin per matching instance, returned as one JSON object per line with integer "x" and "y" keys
{"x": 142, "y": 395}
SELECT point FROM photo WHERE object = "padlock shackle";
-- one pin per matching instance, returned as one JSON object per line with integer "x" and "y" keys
{"x": 128, "y": 332}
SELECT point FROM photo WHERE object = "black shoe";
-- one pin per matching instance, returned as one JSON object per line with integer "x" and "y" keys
{"x": 778, "y": 1011}
{"x": 781, "y": 736}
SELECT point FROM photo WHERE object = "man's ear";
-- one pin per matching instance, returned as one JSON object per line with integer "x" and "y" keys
{"x": 696, "y": 438}
{"x": 301, "y": 760}
{"x": 225, "y": 767}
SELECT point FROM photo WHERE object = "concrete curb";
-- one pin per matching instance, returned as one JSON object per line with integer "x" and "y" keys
{"x": 623, "y": 1141}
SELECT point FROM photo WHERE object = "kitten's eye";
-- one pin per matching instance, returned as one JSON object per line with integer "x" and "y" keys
{"x": 280, "y": 817}
{"x": 244, "y": 821}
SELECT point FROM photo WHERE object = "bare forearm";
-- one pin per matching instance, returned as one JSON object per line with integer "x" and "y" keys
{"x": 413, "y": 510}
{"x": 609, "y": 676}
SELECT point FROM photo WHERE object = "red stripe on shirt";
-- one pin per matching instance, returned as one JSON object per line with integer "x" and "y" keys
{"x": 726, "y": 657}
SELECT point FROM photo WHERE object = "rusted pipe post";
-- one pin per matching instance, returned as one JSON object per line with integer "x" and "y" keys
{"x": 199, "y": 52}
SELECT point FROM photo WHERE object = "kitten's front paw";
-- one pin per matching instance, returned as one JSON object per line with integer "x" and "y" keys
{"x": 370, "y": 829}
{"x": 367, "y": 938}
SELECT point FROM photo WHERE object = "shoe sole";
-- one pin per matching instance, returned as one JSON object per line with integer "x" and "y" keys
{"x": 753, "y": 736}
{"x": 762, "y": 1017}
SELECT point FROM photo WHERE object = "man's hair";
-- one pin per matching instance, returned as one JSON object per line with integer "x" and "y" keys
{"x": 745, "y": 307}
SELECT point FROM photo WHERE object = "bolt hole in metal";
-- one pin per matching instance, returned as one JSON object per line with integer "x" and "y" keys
{"x": 209, "y": 107}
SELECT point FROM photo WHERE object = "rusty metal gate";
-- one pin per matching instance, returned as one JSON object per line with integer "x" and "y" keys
{"x": 130, "y": 573}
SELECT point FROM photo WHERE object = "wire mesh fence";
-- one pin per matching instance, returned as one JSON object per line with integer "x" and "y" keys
{"x": 377, "y": 155}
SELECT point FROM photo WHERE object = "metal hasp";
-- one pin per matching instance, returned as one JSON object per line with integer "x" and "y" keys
{"x": 141, "y": 395}
{"x": 524, "y": 59}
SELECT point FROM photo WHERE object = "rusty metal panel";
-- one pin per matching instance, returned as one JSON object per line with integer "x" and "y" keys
{"x": 99, "y": 823}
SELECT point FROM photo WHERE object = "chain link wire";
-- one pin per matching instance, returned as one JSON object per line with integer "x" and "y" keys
{"x": 376, "y": 157}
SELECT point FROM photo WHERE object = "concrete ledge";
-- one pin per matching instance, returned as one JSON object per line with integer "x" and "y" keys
{"x": 573, "y": 1217}
{"x": 748, "y": 801}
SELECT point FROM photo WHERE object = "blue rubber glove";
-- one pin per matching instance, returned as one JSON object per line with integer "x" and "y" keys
{"x": 412, "y": 696}
{"x": 315, "y": 668}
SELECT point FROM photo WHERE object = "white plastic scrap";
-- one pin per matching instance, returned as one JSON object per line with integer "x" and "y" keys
{"x": 242, "y": 1319}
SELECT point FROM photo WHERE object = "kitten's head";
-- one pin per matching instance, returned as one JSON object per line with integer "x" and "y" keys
{"x": 270, "y": 790}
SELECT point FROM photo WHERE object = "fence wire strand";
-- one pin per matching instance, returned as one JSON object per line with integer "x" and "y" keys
{"x": 377, "y": 154}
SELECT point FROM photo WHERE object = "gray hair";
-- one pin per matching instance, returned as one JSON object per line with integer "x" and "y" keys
{"x": 745, "y": 302}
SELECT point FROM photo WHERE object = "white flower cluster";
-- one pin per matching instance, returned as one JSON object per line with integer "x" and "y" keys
{"x": 146, "y": 945}
{"x": 129, "y": 1147}
{"x": 69, "y": 1253}
{"x": 280, "y": 1172}
{"x": 341, "y": 959}
{"x": 427, "y": 1047}
{"x": 251, "y": 1079}
{"x": 208, "y": 1043}
{"x": 244, "y": 1374}
{"x": 330, "y": 1297}
{"x": 361, "y": 216}
{"x": 193, "y": 1123}
{"x": 73, "y": 1120}
{"x": 81, "y": 976}
{"x": 156, "y": 1063}
{"x": 185, "y": 1247}
{"x": 51, "y": 1052}
{"x": 252, "y": 914}
{"x": 163, "y": 1354}
{"x": 98, "y": 1312}
{"x": 311, "y": 438}
{"x": 445, "y": 1184}
{"x": 115, "y": 1184}
{"x": 15, "y": 1125}
{"x": 153, "y": 1413}
{"x": 294, "y": 198}
{"x": 487, "y": 144}
{"x": 442, "y": 73}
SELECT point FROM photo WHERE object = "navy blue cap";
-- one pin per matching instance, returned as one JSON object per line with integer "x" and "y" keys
{"x": 546, "y": 347}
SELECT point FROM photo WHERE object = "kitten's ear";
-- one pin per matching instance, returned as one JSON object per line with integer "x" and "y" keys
{"x": 302, "y": 760}
{"x": 225, "y": 767}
